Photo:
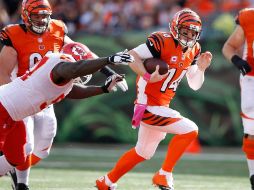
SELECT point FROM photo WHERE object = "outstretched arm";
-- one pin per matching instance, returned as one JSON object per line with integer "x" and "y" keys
{"x": 65, "y": 71}
{"x": 80, "y": 91}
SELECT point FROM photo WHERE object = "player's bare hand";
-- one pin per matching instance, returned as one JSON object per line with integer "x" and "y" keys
{"x": 204, "y": 60}
{"x": 156, "y": 76}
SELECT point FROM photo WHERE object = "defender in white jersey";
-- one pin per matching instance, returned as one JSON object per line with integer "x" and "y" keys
{"x": 51, "y": 80}
{"x": 36, "y": 88}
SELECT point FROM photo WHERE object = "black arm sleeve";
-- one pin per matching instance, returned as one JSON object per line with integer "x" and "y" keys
{"x": 155, "y": 43}
{"x": 107, "y": 71}
{"x": 155, "y": 52}
{"x": 194, "y": 62}
{"x": 237, "y": 21}
{"x": 5, "y": 39}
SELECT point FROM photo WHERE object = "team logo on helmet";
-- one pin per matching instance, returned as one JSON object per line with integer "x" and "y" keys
{"x": 77, "y": 50}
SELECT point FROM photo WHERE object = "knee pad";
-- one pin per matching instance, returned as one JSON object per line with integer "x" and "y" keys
{"x": 29, "y": 123}
{"x": 248, "y": 111}
{"x": 146, "y": 153}
{"x": 50, "y": 126}
{"x": 248, "y": 123}
{"x": 45, "y": 132}
{"x": 248, "y": 147}
{"x": 147, "y": 145}
{"x": 42, "y": 148}
{"x": 29, "y": 147}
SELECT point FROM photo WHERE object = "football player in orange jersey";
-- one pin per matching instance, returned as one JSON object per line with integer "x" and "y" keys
{"x": 25, "y": 44}
{"x": 243, "y": 37}
{"x": 181, "y": 51}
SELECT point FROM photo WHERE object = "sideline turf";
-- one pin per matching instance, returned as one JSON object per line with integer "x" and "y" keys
{"x": 77, "y": 167}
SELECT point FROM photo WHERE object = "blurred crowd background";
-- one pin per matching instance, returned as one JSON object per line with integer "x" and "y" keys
{"x": 108, "y": 26}
{"x": 116, "y": 16}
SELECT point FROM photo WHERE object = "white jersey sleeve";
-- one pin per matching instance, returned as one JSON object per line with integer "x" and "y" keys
{"x": 143, "y": 51}
{"x": 195, "y": 77}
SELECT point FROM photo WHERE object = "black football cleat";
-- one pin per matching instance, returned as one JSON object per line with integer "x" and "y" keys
{"x": 163, "y": 187}
{"x": 252, "y": 182}
{"x": 12, "y": 174}
{"x": 22, "y": 186}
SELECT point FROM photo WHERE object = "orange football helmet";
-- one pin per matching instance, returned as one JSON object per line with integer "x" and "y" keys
{"x": 36, "y": 15}
{"x": 189, "y": 20}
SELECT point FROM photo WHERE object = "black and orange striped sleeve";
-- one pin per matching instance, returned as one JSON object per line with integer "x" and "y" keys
{"x": 237, "y": 19}
{"x": 197, "y": 53}
{"x": 4, "y": 37}
{"x": 155, "y": 44}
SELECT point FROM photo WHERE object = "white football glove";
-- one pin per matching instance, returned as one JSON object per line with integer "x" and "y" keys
{"x": 122, "y": 85}
{"x": 111, "y": 82}
{"x": 83, "y": 80}
{"x": 121, "y": 58}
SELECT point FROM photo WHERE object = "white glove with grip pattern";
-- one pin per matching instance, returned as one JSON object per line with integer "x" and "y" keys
{"x": 122, "y": 84}
{"x": 121, "y": 58}
{"x": 111, "y": 82}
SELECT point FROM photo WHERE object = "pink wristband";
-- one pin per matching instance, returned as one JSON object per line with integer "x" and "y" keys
{"x": 147, "y": 76}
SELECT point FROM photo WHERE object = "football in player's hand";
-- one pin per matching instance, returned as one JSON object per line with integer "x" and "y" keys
{"x": 151, "y": 63}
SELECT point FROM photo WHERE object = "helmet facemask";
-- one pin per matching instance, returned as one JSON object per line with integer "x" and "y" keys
{"x": 188, "y": 35}
{"x": 38, "y": 22}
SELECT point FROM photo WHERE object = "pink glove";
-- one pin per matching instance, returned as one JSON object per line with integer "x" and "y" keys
{"x": 138, "y": 114}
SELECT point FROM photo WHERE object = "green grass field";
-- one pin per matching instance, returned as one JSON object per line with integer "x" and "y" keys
{"x": 77, "y": 167}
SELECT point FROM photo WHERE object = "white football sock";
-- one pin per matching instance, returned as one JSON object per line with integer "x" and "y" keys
{"x": 251, "y": 166}
{"x": 108, "y": 181}
{"x": 163, "y": 172}
{"x": 23, "y": 176}
{"x": 169, "y": 177}
{"x": 5, "y": 166}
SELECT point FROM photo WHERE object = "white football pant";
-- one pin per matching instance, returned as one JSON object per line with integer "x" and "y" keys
{"x": 41, "y": 130}
{"x": 149, "y": 136}
{"x": 247, "y": 103}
